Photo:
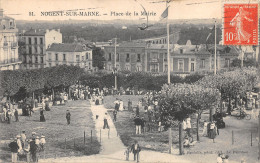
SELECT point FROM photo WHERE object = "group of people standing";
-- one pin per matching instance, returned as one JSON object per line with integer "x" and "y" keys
{"x": 21, "y": 145}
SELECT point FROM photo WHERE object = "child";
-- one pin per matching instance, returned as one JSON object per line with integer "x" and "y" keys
{"x": 204, "y": 133}
{"x": 127, "y": 151}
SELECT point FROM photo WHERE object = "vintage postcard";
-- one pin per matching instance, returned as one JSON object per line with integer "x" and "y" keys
{"x": 129, "y": 81}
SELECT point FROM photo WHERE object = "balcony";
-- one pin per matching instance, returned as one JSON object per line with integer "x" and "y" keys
{"x": 10, "y": 61}
{"x": 154, "y": 60}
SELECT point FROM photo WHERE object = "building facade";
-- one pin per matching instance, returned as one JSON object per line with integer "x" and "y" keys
{"x": 36, "y": 43}
{"x": 9, "y": 58}
{"x": 184, "y": 59}
{"x": 129, "y": 57}
{"x": 69, "y": 54}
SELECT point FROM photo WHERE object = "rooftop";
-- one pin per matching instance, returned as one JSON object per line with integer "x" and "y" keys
{"x": 35, "y": 32}
{"x": 66, "y": 47}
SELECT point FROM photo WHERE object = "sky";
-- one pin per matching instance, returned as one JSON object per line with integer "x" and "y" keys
{"x": 110, "y": 9}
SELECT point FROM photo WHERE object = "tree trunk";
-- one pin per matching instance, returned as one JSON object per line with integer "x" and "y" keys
{"x": 52, "y": 94}
{"x": 210, "y": 114}
{"x": 181, "y": 138}
{"x": 221, "y": 105}
{"x": 33, "y": 100}
{"x": 198, "y": 124}
{"x": 236, "y": 100}
{"x": 229, "y": 106}
{"x": 69, "y": 94}
{"x": 170, "y": 140}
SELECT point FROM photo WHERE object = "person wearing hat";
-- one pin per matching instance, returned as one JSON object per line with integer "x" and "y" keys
{"x": 27, "y": 150}
{"x": 33, "y": 150}
{"x": 37, "y": 141}
{"x": 68, "y": 115}
{"x": 23, "y": 138}
{"x": 136, "y": 150}
{"x": 105, "y": 122}
{"x": 33, "y": 135}
{"x": 16, "y": 115}
{"x": 138, "y": 123}
{"x": 14, "y": 149}
{"x": 18, "y": 137}
{"x": 42, "y": 142}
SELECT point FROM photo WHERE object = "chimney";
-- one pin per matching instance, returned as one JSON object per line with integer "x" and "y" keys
{"x": 58, "y": 30}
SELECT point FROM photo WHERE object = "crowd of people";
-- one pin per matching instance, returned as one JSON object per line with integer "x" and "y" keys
{"x": 30, "y": 147}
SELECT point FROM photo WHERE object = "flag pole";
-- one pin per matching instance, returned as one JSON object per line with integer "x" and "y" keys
{"x": 215, "y": 56}
{"x": 169, "y": 71}
{"x": 115, "y": 67}
{"x": 168, "y": 47}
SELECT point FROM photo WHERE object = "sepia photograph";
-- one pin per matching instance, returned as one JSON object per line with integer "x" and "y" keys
{"x": 153, "y": 81}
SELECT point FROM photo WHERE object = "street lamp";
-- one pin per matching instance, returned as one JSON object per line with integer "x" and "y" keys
{"x": 115, "y": 69}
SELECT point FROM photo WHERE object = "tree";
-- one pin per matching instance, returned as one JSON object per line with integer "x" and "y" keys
{"x": 98, "y": 58}
{"x": 231, "y": 84}
{"x": 174, "y": 105}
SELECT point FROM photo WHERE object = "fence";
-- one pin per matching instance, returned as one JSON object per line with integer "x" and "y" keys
{"x": 55, "y": 147}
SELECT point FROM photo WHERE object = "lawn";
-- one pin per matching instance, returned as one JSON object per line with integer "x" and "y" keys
{"x": 56, "y": 130}
{"x": 205, "y": 149}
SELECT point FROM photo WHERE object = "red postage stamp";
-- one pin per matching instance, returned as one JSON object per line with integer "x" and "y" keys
{"x": 240, "y": 24}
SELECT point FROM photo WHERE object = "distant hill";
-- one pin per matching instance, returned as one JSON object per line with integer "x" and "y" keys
{"x": 96, "y": 30}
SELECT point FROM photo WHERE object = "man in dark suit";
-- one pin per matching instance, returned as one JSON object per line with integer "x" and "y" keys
{"x": 138, "y": 123}
{"x": 136, "y": 150}
{"x": 68, "y": 117}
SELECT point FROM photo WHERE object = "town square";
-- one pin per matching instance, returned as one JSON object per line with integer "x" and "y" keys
{"x": 112, "y": 85}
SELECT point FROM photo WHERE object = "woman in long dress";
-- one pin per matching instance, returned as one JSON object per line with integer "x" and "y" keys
{"x": 121, "y": 105}
{"x": 42, "y": 118}
{"x": 212, "y": 131}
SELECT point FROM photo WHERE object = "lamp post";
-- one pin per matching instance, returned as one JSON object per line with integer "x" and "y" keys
{"x": 115, "y": 69}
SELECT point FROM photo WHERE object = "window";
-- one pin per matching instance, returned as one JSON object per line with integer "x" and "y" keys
{"x": 89, "y": 65}
{"x": 41, "y": 40}
{"x": 165, "y": 57}
{"x": 86, "y": 56}
{"x": 30, "y": 40}
{"x": 41, "y": 59}
{"x": 117, "y": 57}
{"x": 56, "y": 57}
{"x": 181, "y": 51}
{"x": 165, "y": 68}
{"x": 36, "y": 49}
{"x": 49, "y": 56}
{"x": 192, "y": 67}
{"x": 30, "y": 50}
{"x": 127, "y": 57}
{"x": 64, "y": 57}
{"x": 41, "y": 50}
{"x": 109, "y": 57}
{"x": 53, "y": 38}
{"x": 82, "y": 58}
{"x": 109, "y": 67}
{"x": 154, "y": 68}
{"x": 138, "y": 57}
{"x": 11, "y": 24}
{"x": 35, "y": 40}
{"x": 77, "y": 58}
{"x": 180, "y": 65}
{"x": 202, "y": 63}
{"x": 138, "y": 68}
{"x": 227, "y": 62}
{"x": 36, "y": 59}
{"x": 127, "y": 67}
